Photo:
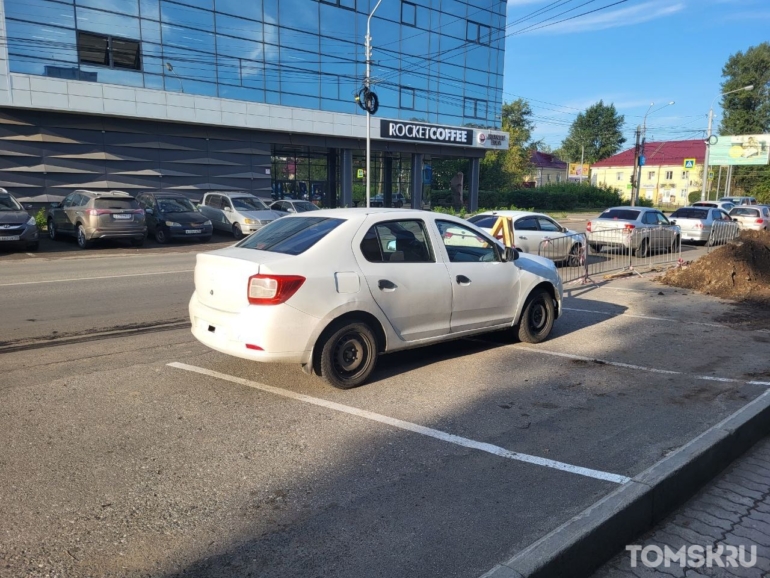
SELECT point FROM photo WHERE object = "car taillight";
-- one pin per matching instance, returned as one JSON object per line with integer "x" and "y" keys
{"x": 272, "y": 289}
{"x": 588, "y": 226}
{"x": 760, "y": 221}
{"x": 138, "y": 212}
{"x": 629, "y": 226}
{"x": 699, "y": 225}
{"x": 97, "y": 212}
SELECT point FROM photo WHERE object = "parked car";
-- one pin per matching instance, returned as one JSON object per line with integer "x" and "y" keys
{"x": 172, "y": 216}
{"x": 237, "y": 213}
{"x": 697, "y": 222}
{"x": 91, "y": 216}
{"x": 396, "y": 281}
{"x": 292, "y": 206}
{"x": 638, "y": 229}
{"x": 724, "y": 205}
{"x": 531, "y": 229}
{"x": 17, "y": 227}
{"x": 740, "y": 200}
{"x": 398, "y": 200}
{"x": 751, "y": 218}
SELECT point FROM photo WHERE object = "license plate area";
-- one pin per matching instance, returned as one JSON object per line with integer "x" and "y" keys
{"x": 121, "y": 217}
{"x": 10, "y": 238}
{"x": 194, "y": 231}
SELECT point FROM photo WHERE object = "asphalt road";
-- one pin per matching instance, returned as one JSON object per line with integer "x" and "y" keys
{"x": 115, "y": 463}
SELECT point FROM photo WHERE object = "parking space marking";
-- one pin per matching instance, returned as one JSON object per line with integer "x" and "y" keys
{"x": 95, "y": 278}
{"x": 649, "y": 317}
{"x": 638, "y": 367}
{"x": 412, "y": 427}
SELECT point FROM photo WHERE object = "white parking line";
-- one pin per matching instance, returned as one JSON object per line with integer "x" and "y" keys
{"x": 95, "y": 278}
{"x": 649, "y": 317}
{"x": 638, "y": 367}
{"x": 408, "y": 426}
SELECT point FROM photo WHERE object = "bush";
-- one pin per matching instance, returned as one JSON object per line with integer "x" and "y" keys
{"x": 40, "y": 219}
{"x": 693, "y": 197}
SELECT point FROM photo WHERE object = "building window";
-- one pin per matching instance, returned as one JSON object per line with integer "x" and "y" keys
{"x": 475, "y": 108}
{"x": 351, "y": 4}
{"x": 476, "y": 32}
{"x": 669, "y": 175}
{"x": 619, "y": 176}
{"x": 409, "y": 13}
{"x": 651, "y": 175}
{"x": 558, "y": 178}
{"x": 406, "y": 99}
{"x": 109, "y": 51}
{"x": 684, "y": 175}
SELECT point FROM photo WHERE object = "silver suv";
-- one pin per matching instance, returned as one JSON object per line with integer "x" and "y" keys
{"x": 237, "y": 213}
{"x": 90, "y": 215}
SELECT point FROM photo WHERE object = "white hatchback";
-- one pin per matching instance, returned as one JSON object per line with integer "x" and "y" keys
{"x": 333, "y": 289}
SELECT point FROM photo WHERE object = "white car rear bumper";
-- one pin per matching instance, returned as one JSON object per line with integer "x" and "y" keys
{"x": 281, "y": 332}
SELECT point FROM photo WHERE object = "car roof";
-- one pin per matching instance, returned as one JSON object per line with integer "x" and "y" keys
{"x": 232, "y": 193}
{"x": 511, "y": 214}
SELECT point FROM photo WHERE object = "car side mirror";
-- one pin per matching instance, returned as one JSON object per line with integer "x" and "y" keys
{"x": 673, "y": 221}
{"x": 148, "y": 211}
{"x": 510, "y": 254}
{"x": 227, "y": 210}
{"x": 27, "y": 206}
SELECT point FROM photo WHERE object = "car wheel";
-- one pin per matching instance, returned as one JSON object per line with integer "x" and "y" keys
{"x": 348, "y": 355}
{"x": 675, "y": 244}
{"x": 574, "y": 256}
{"x": 237, "y": 232}
{"x": 160, "y": 236}
{"x": 138, "y": 242}
{"x": 83, "y": 241}
{"x": 537, "y": 318}
{"x": 51, "y": 230}
{"x": 597, "y": 248}
{"x": 710, "y": 242}
{"x": 643, "y": 250}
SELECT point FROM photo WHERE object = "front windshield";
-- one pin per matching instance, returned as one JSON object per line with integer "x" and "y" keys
{"x": 248, "y": 204}
{"x": 8, "y": 203}
{"x": 175, "y": 205}
{"x": 304, "y": 206}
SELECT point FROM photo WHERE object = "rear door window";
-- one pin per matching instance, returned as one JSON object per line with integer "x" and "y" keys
{"x": 291, "y": 236}
{"x": 397, "y": 242}
{"x": 620, "y": 214}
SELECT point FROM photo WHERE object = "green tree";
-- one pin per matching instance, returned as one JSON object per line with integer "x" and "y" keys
{"x": 747, "y": 112}
{"x": 501, "y": 170}
{"x": 599, "y": 130}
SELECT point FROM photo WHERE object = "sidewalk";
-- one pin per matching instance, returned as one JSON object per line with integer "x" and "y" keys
{"x": 734, "y": 509}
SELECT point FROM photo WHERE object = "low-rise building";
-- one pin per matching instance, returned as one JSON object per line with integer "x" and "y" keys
{"x": 546, "y": 170}
{"x": 664, "y": 178}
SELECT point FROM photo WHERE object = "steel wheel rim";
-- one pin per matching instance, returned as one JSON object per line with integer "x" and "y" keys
{"x": 350, "y": 354}
{"x": 51, "y": 231}
{"x": 160, "y": 236}
{"x": 81, "y": 237}
{"x": 538, "y": 316}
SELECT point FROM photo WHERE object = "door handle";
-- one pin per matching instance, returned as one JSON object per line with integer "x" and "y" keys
{"x": 522, "y": 237}
{"x": 463, "y": 280}
{"x": 386, "y": 285}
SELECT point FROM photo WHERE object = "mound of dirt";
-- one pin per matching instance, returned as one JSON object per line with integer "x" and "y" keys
{"x": 739, "y": 271}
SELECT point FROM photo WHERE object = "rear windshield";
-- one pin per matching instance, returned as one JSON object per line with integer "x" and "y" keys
{"x": 484, "y": 221}
{"x": 741, "y": 212}
{"x": 291, "y": 235}
{"x": 622, "y": 214}
{"x": 690, "y": 214}
{"x": 700, "y": 204}
{"x": 115, "y": 203}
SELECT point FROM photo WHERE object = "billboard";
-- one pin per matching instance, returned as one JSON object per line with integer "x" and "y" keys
{"x": 750, "y": 149}
{"x": 578, "y": 171}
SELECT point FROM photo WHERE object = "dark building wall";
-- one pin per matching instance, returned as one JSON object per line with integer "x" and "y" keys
{"x": 48, "y": 155}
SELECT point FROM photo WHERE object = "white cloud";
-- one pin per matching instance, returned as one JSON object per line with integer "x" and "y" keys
{"x": 605, "y": 19}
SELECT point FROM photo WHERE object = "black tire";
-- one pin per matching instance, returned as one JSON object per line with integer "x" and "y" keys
{"x": 643, "y": 250}
{"x": 52, "y": 230}
{"x": 574, "y": 256}
{"x": 348, "y": 355}
{"x": 83, "y": 241}
{"x": 138, "y": 242}
{"x": 237, "y": 232}
{"x": 537, "y": 317}
{"x": 675, "y": 244}
{"x": 710, "y": 242}
{"x": 160, "y": 236}
{"x": 597, "y": 248}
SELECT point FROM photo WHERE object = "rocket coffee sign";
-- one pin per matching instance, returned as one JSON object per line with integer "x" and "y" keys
{"x": 400, "y": 130}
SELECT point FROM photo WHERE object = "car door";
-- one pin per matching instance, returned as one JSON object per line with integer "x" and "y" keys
{"x": 559, "y": 246}
{"x": 484, "y": 288}
{"x": 526, "y": 234}
{"x": 72, "y": 207}
{"x": 229, "y": 216}
{"x": 213, "y": 207}
{"x": 147, "y": 202}
{"x": 407, "y": 282}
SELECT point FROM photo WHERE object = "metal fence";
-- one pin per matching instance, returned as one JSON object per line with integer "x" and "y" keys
{"x": 722, "y": 232}
{"x": 584, "y": 255}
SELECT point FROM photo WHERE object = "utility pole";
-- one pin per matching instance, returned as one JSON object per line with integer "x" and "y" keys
{"x": 582, "y": 160}
{"x": 636, "y": 173}
{"x": 706, "y": 158}
{"x": 367, "y": 79}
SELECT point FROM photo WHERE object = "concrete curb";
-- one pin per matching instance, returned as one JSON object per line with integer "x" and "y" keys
{"x": 581, "y": 545}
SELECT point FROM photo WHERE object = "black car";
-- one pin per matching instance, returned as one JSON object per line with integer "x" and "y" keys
{"x": 173, "y": 216}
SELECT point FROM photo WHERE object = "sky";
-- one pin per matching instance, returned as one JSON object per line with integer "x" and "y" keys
{"x": 632, "y": 54}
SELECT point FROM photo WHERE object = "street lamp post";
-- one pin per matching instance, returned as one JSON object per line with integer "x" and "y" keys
{"x": 708, "y": 138}
{"x": 368, "y": 46}
{"x": 642, "y": 132}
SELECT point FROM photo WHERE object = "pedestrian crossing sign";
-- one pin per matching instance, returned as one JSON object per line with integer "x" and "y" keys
{"x": 689, "y": 164}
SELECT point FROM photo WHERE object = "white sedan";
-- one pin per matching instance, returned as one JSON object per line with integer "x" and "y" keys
{"x": 538, "y": 234}
{"x": 333, "y": 289}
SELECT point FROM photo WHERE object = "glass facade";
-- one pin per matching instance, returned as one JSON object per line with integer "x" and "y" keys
{"x": 438, "y": 61}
